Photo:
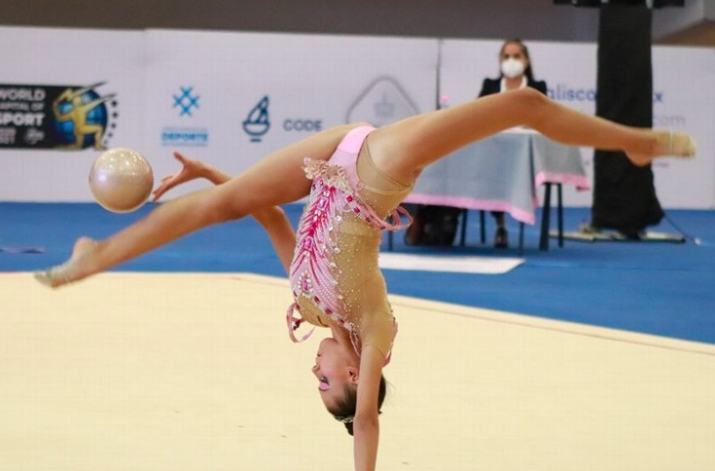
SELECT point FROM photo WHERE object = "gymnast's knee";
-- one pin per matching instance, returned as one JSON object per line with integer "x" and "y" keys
{"x": 531, "y": 103}
{"x": 530, "y": 97}
{"x": 216, "y": 209}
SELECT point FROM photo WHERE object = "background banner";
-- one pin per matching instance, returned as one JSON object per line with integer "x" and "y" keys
{"x": 231, "y": 98}
{"x": 55, "y": 117}
{"x": 60, "y": 87}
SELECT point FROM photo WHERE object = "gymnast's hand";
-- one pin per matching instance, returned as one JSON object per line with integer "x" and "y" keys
{"x": 191, "y": 170}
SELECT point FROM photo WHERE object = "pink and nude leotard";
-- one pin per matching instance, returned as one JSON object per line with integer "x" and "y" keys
{"x": 334, "y": 274}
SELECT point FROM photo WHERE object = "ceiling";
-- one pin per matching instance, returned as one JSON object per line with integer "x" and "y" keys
{"x": 482, "y": 19}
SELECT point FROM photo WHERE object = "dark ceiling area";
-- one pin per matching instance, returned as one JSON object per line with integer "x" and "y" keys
{"x": 473, "y": 19}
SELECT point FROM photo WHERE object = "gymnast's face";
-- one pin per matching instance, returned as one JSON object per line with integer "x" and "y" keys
{"x": 336, "y": 366}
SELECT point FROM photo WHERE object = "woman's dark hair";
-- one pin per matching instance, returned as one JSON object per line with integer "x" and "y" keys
{"x": 529, "y": 71}
{"x": 344, "y": 411}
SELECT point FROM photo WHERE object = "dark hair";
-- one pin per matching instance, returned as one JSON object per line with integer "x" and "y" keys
{"x": 529, "y": 71}
{"x": 344, "y": 411}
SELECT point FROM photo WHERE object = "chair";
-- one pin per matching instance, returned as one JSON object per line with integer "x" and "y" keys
{"x": 545, "y": 223}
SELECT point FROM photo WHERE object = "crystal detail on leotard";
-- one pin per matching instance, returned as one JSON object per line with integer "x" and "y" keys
{"x": 317, "y": 236}
{"x": 314, "y": 271}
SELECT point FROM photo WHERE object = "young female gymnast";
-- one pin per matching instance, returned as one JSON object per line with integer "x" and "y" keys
{"x": 357, "y": 176}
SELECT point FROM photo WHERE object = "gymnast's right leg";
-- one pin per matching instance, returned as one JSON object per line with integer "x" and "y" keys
{"x": 404, "y": 148}
{"x": 275, "y": 180}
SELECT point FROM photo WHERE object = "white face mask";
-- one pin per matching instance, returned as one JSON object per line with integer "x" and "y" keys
{"x": 512, "y": 68}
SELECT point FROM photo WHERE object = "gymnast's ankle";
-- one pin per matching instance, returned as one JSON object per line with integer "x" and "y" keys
{"x": 76, "y": 268}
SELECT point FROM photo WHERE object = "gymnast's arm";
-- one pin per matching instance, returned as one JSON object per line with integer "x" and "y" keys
{"x": 273, "y": 219}
{"x": 366, "y": 424}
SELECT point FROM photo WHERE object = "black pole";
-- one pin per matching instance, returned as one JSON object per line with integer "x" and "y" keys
{"x": 624, "y": 195}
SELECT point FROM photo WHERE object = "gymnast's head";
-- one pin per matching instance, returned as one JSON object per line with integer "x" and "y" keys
{"x": 337, "y": 368}
{"x": 515, "y": 60}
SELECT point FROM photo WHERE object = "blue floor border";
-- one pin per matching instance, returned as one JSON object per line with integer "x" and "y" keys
{"x": 654, "y": 288}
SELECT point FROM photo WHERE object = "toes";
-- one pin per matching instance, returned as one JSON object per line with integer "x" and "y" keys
{"x": 43, "y": 277}
{"x": 684, "y": 145}
{"x": 54, "y": 277}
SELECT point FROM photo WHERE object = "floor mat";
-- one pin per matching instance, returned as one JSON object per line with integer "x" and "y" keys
{"x": 189, "y": 371}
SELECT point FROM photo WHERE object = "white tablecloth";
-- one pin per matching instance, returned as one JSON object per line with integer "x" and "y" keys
{"x": 500, "y": 173}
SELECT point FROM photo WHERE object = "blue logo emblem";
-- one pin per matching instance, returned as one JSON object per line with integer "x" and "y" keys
{"x": 185, "y": 101}
{"x": 257, "y": 123}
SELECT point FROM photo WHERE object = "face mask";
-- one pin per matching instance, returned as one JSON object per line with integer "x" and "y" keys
{"x": 512, "y": 68}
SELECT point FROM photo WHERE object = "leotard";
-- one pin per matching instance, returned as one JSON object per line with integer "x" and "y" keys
{"x": 334, "y": 274}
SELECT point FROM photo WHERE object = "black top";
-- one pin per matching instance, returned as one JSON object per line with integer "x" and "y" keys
{"x": 492, "y": 86}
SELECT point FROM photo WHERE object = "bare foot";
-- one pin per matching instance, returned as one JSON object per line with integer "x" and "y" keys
{"x": 667, "y": 144}
{"x": 70, "y": 271}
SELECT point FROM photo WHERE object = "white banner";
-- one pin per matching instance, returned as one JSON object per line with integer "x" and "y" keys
{"x": 232, "y": 98}
{"x": 229, "y": 98}
{"x": 81, "y": 81}
{"x": 683, "y": 100}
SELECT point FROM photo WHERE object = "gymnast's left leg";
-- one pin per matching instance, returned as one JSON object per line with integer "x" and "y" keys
{"x": 275, "y": 180}
{"x": 404, "y": 148}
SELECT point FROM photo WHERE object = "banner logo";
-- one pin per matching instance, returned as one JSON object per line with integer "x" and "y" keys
{"x": 384, "y": 101}
{"x": 565, "y": 92}
{"x": 258, "y": 123}
{"x": 55, "y": 117}
{"x": 185, "y": 101}
{"x": 184, "y": 137}
{"x": 179, "y": 136}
